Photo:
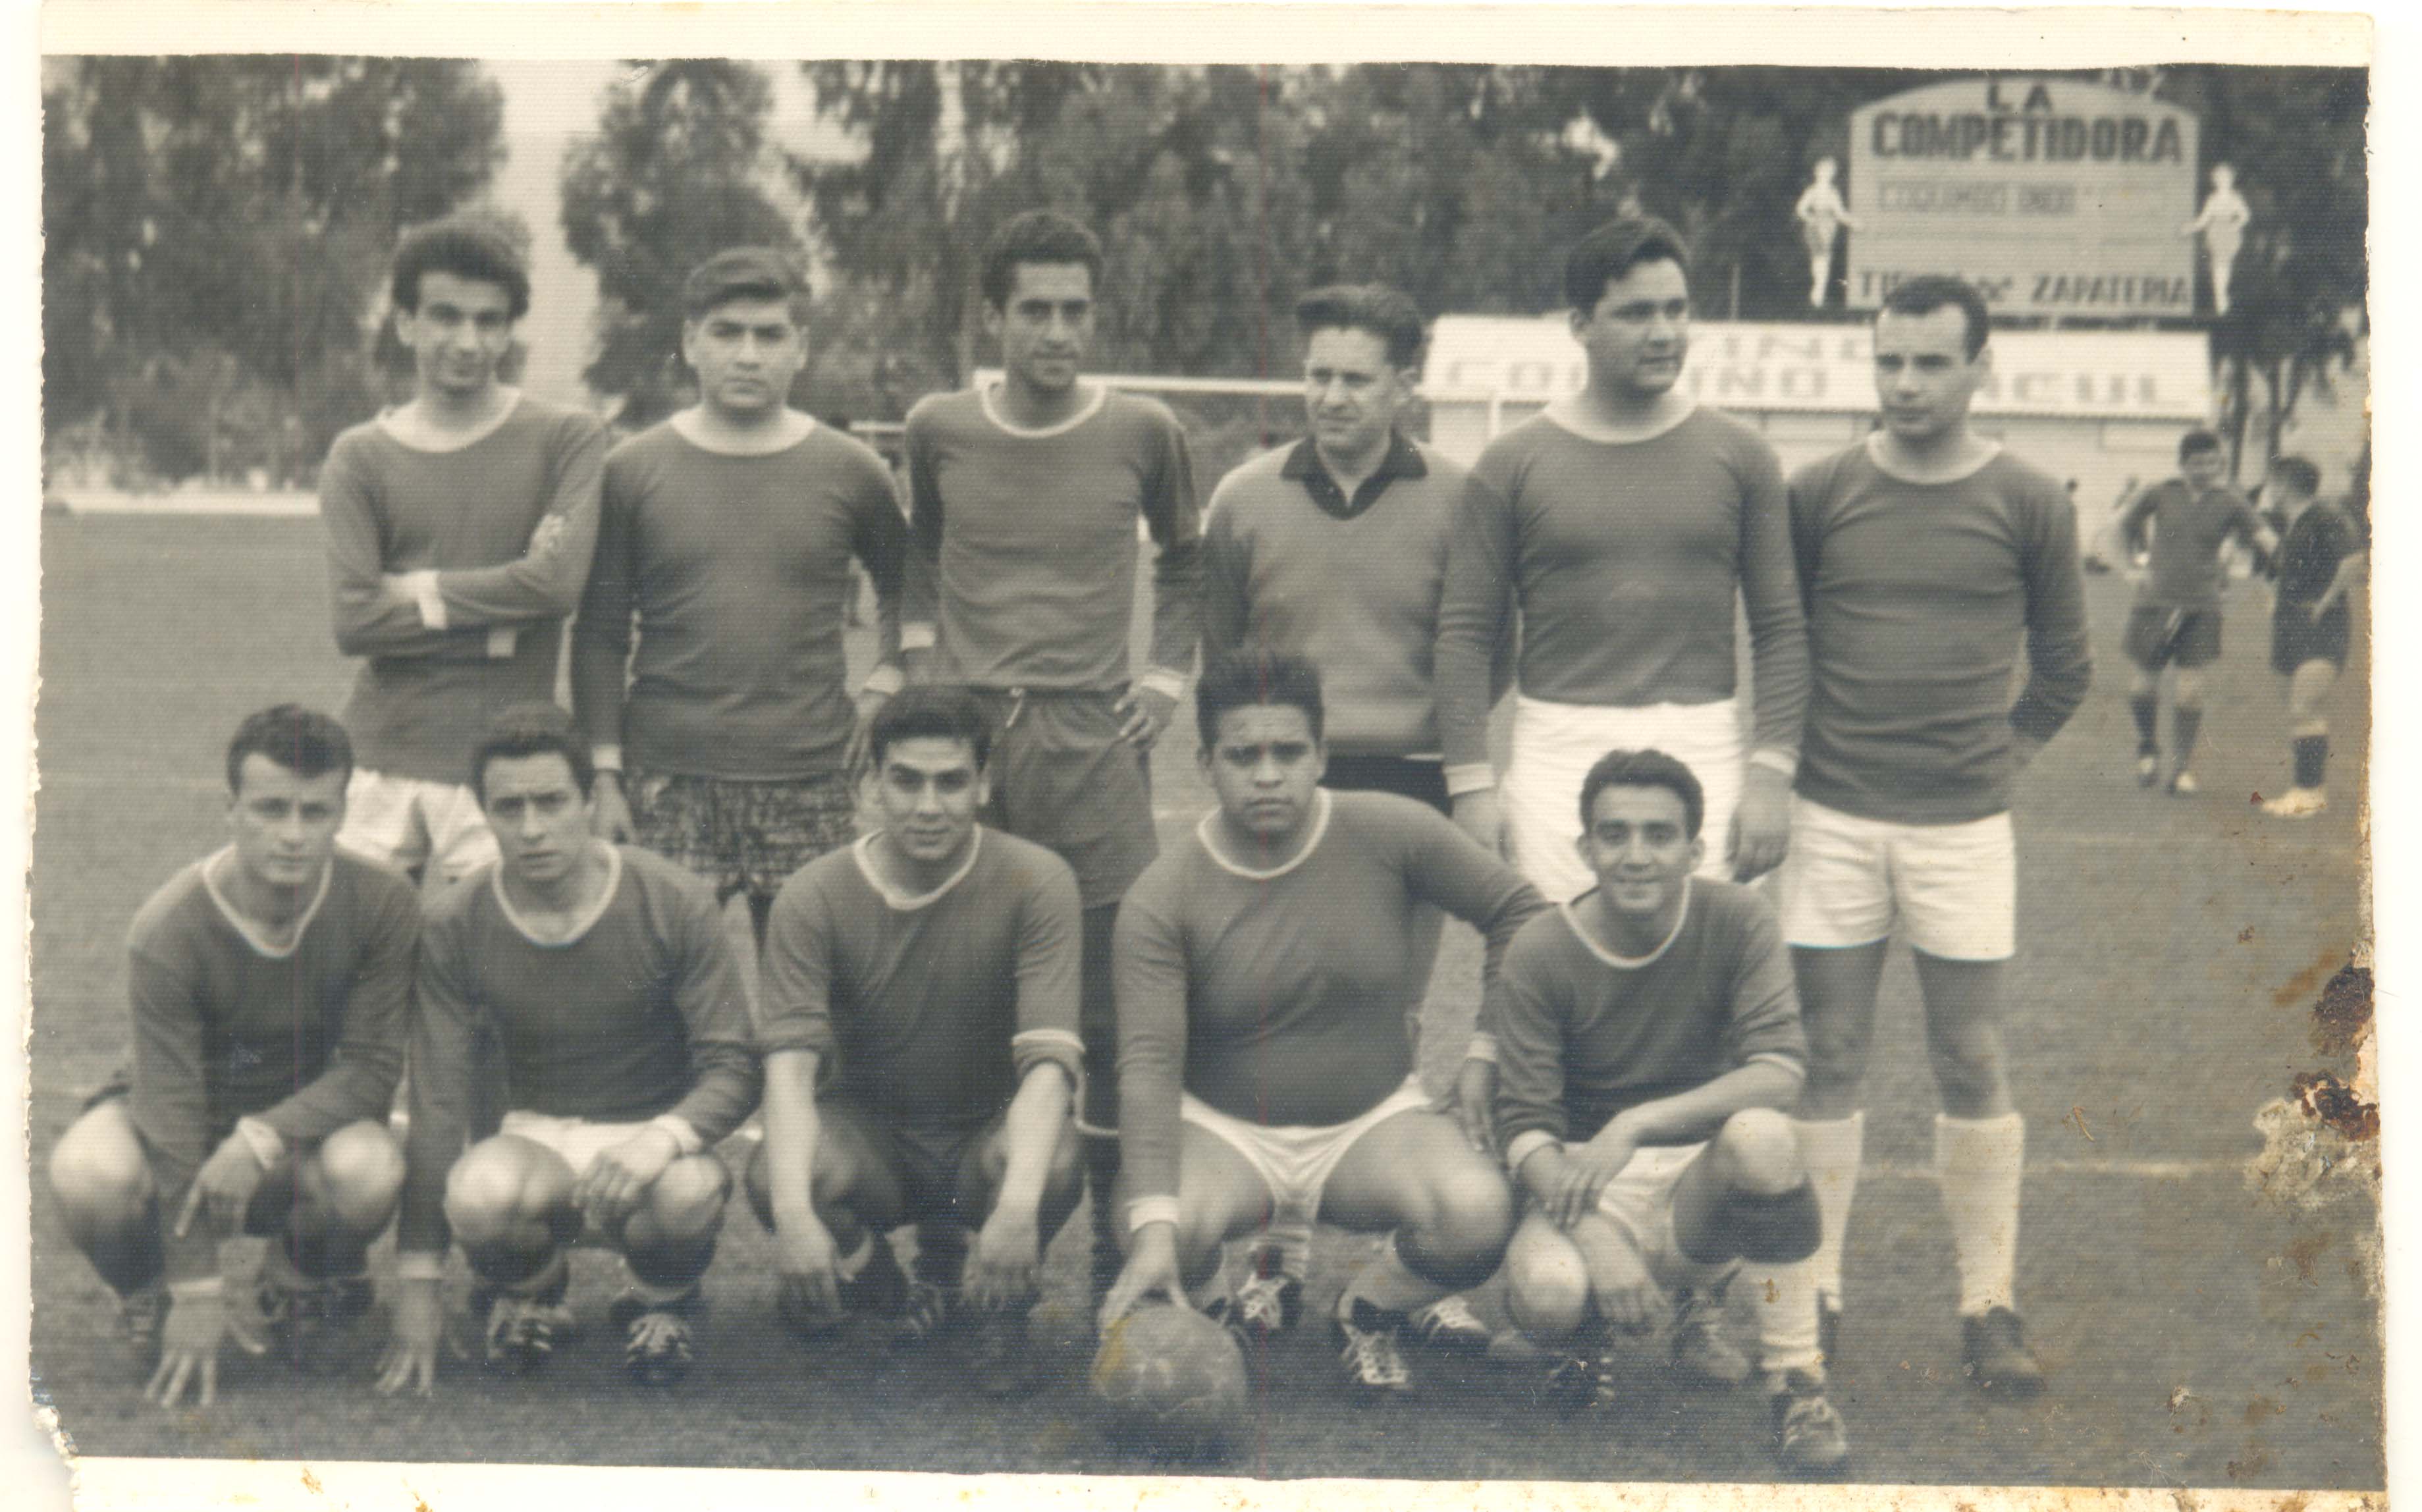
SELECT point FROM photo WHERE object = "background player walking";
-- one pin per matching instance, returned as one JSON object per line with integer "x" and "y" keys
{"x": 2318, "y": 565}
{"x": 1024, "y": 499}
{"x": 1925, "y": 552}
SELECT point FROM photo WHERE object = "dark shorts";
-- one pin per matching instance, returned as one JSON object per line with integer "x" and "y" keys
{"x": 928, "y": 1161}
{"x": 2160, "y": 636}
{"x": 1062, "y": 779}
{"x": 2297, "y": 636}
{"x": 741, "y": 837}
{"x": 1405, "y": 776}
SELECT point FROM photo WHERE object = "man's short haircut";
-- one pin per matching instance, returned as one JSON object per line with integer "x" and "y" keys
{"x": 1252, "y": 675}
{"x": 1613, "y": 251}
{"x": 532, "y": 729}
{"x": 2297, "y": 476}
{"x": 1387, "y": 313}
{"x": 467, "y": 249}
{"x": 1645, "y": 768}
{"x": 1928, "y": 292}
{"x": 743, "y": 272}
{"x": 931, "y": 711}
{"x": 304, "y": 741}
{"x": 2196, "y": 441}
{"x": 1044, "y": 236}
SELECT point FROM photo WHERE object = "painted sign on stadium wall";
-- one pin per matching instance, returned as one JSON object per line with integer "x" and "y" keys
{"x": 1745, "y": 365}
{"x": 2054, "y": 197}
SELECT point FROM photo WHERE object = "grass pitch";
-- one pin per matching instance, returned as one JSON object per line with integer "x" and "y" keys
{"x": 2171, "y": 953}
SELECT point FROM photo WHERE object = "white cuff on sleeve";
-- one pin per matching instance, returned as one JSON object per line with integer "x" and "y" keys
{"x": 204, "y": 1286}
{"x": 1483, "y": 1047}
{"x": 686, "y": 1135}
{"x": 1775, "y": 759}
{"x": 606, "y": 758}
{"x": 885, "y": 680}
{"x": 917, "y": 635}
{"x": 1526, "y": 1144}
{"x": 1143, "y": 1210}
{"x": 268, "y": 1145}
{"x": 421, "y": 586}
{"x": 502, "y": 640}
{"x": 1169, "y": 685}
{"x": 1473, "y": 777}
{"x": 420, "y": 1264}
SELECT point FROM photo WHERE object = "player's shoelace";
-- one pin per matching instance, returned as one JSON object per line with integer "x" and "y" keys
{"x": 658, "y": 1347}
{"x": 1450, "y": 1323}
{"x": 923, "y": 1314}
{"x": 1260, "y": 1304}
{"x": 1702, "y": 1344}
{"x": 1809, "y": 1435}
{"x": 1373, "y": 1360}
{"x": 521, "y": 1331}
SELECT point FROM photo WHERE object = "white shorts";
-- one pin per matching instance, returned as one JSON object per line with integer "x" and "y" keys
{"x": 1294, "y": 1162}
{"x": 578, "y": 1141}
{"x": 1556, "y": 744}
{"x": 1638, "y": 1202}
{"x": 407, "y": 822}
{"x": 1954, "y": 889}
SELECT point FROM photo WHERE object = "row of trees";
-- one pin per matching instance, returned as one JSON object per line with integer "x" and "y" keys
{"x": 217, "y": 226}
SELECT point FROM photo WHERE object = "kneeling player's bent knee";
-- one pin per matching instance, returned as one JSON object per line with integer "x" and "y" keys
{"x": 503, "y": 1185}
{"x": 687, "y": 1199}
{"x": 1546, "y": 1286}
{"x": 1460, "y": 1242}
{"x": 356, "y": 1177}
{"x": 1758, "y": 1153}
{"x": 99, "y": 1172}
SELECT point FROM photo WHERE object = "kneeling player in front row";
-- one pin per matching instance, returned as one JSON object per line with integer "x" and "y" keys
{"x": 627, "y": 1054}
{"x": 1648, "y": 1042}
{"x": 934, "y": 965}
{"x": 1267, "y": 971}
{"x": 270, "y": 985}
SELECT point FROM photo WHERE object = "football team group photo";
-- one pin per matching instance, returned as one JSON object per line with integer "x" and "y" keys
{"x": 1455, "y": 772}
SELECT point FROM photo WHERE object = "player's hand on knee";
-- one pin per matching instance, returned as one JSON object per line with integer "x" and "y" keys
{"x": 613, "y": 820}
{"x": 807, "y": 1260}
{"x": 410, "y": 1362}
{"x": 622, "y": 1175}
{"x": 1473, "y": 1103}
{"x": 224, "y": 1187}
{"x": 1004, "y": 1265}
{"x": 1482, "y": 817}
{"x": 1761, "y": 829}
{"x": 1591, "y": 1167}
{"x": 1632, "y": 1301}
{"x": 1152, "y": 1267}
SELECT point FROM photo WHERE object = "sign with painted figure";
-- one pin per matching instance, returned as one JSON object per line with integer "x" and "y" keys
{"x": 1745, "y": 365}
{"x": 2054, "y": 197}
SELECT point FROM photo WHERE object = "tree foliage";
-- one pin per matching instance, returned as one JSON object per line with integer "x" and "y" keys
{"x": 671, "y": 177}
{"x": 216, "y": 231}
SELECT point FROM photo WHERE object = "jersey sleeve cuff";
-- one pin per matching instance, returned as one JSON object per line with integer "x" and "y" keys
{"x": 1169, "y": 685}
{"x": 1469, "y": 777}
{"x": 1483, "y": 1047}
{"x": 268, "y": 1145}
{"x": 885, "y": 680}
{"x": 421, "y": 586}
{"x": 1775, "y": 759}
{"x": 1526, "y": 1144}
{"x": 1790, "y": 1063}
{"x": 1148, "y": 1210}
{"x": 1063, "y": 1048}
{"x": 606, "y": 758}
{"x": 917, "y": 635}
{"x": 197, "y": 1286}
{"x": 686, "y": 1135}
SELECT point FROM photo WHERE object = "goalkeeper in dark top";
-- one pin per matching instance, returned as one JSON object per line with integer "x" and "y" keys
{"x": 2319, "y": 562}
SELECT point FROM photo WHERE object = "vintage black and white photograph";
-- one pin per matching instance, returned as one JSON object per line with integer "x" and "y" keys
{"x": 1450, "y": 771}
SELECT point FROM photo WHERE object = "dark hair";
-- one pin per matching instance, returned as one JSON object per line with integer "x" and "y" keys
{"x": 1038, "y": 236}
{"x": 1928, "y": 292}
{"x": 467, "y": 249}
{"x": 2297, "y": 474}
{"x": 935, "y": 711}
{"x": 532, "y": 729}
{"x": 2196, "y": 441}
{"x": 304, "y": 741}
{"x": 742, "y": 272}
{"x": 1614, "y": 250}
{"x": 1387, "y": 313}
{"x": 1645, "y": 768}
{"x": 1251, "y": 675}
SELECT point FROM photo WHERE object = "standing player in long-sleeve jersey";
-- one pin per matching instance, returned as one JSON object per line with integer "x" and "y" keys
{"x": 1266, "y": 973}
{"x": 603, "y": 972}
{"x": 1024, "y": 499}
{"x": 1927, "y": 553}
{"x": 459, "y": 533}
{"x": 271, "y": 985}
{"x": 726, "y": 533}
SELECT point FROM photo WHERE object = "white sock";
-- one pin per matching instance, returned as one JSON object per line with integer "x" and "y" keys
{"x": 1387, "y": 1283}
{"x": 848, "y": 1266}
{"x": 1831, "y": 1152}
{"x": 1978, "y": 1162}
{"x": 1783, "y": 1298}
{"x": 1291, "y": 1240}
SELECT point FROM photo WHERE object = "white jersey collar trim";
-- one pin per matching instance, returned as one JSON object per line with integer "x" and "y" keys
{"x": 245, "y": 926}
{"x": 1321, "y": 810}
{"x": 587, "y": 923}
{"x": 684, "y": 424}
{"x": 1101, "y": 396}
{"x": 1626, "y": 963}
{"x": 899, "y": 902}
{"x": 1560, "y": 416}
{"x": 1875, "y": 447}
{"x": 419, "y": 441}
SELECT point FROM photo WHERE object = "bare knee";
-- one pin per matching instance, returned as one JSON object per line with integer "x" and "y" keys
{"x": 2189, "y": 693}
{"x": 1758, "y": 1153}
{"x": 99, "y": 1171}
{"x": 1546, "y": 1286}
{"x": 500, "y": 1184}
{"x": 687, "y": 1199}
{"x": 360, "y": 1173}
